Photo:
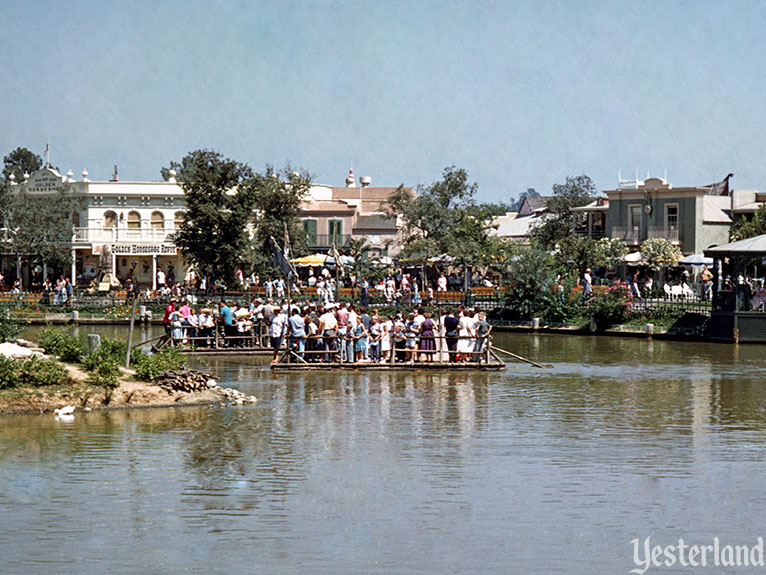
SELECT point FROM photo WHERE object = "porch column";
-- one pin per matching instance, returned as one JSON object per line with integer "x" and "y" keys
{"x": 74, "y": 267}
{"x": 114, "y": 265}
{"x": 154, "y": 272}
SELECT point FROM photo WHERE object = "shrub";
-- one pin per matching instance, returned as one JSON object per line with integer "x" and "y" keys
{"x": 109, "y": 350}
{"x": 613, "y": 305}
{"x": 32, "y": 372}
{"x": 9, "y": 329}
{"x": 63, "y": 343}
{"x": 151, "y": 367}
{"x": 106, "y": 374}
{"x": 9, "y": 373}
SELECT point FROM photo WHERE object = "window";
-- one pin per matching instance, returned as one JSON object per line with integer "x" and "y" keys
{"x": 310, "y": 231}
{"x": 335, "y": 231}
{"x": 671, "y": 216}
{"x": 158, "y": 221}
{"x": 134, "y": 221}
{"x": 179, "y": 220}
{"x": 110, "y": 220}
{"x": 634, "y": 217}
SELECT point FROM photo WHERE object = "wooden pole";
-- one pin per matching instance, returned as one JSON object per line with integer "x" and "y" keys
{"x": 524, "y": 359}
{"x": 130, "y": 332}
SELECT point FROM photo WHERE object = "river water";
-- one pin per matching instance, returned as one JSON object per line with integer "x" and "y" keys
{"x": 525, "y": 471}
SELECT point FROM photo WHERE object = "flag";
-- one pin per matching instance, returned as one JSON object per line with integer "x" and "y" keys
{"x": 720, "y": 188}
{"x": 46, "y": 149}
{"x": 280, "y": 260}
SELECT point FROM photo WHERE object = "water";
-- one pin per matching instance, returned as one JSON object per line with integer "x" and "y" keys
{"x": 526, "y": 471}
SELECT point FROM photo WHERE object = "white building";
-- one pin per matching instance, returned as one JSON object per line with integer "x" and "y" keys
{"x": 136, "y": 220}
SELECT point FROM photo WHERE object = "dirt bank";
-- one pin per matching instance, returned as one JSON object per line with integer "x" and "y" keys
{"x": 81, "y": 395}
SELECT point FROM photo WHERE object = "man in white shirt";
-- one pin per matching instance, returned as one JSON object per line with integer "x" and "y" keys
{"x": 278, "y": 330}
{"x": 328, "y": 330}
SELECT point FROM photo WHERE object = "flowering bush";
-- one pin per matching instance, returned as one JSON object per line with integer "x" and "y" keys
{"x": 613, "y": 305}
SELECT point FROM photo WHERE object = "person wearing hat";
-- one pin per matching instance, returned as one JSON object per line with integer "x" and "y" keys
{"x": 328, "y": 328}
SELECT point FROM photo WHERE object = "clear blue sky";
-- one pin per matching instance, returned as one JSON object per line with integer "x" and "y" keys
{"x": 520, "y": 94}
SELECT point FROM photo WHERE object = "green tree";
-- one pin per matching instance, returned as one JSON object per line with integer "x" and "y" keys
{"x": 532, "y": 289}
{"x": 659, "y": 253}
{"x": 40, "y": 228}
{"x": 444, "y": 218}
{"x": 556, "y": 223}
{"x": 578, "y": 250}
{"x": 220, "y": 198}
{"x": 745, "y": 228}
{"x": 19, "y": 162}
{"x": 608, "y": 253}
{"x": 277, "y": 203}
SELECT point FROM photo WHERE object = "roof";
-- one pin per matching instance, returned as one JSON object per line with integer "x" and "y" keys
{"x": 750, "y": 208}
{"x": 514, "y": 227}
{"x": 597, "y": 205}
{"x": 716, "y": 209}
{"x": 755, "y": 246}
{"x": 375, "y": 222}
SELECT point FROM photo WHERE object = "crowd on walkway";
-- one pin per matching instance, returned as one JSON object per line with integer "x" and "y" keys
{"x": 326, "y": 332}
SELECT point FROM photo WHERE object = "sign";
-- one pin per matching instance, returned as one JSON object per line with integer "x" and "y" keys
{"x": 44, "y": 181}
{"x": 140, "y": 250}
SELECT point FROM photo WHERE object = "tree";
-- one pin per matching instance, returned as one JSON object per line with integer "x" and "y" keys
{"x": 659, "y": 253}
{"x": 277, "y": 203}
{"x": 556, "y": 223}
{"x": 444, "y": 218}
{"x": 578, "y": 250}
{"x": 40, "y": 228}
{"x": 19, "y": 162}
{"x": 745, "y": 228}
{"x": 609, "y": 253}
{"x": 220, "y": 197}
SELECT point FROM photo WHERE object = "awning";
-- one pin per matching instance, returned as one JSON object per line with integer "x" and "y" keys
{"x": 754, "y": 247}
{"x": 313, "y": 260}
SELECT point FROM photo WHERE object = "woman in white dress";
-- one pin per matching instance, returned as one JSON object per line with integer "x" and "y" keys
{"x": 465, "y": 331}
{"x": 385, "y": 339}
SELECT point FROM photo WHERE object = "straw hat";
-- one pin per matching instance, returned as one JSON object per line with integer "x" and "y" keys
{"x": 242, "y": 313}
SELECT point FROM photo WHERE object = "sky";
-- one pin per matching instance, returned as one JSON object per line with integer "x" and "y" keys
{"x": 519, "y": 94}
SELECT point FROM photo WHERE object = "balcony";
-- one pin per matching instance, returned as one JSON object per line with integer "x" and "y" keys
{"x": 670, "y": 233}
{"x": 123, "y": 235}
{"x": 326, "y": 241}
{"x": 596, "y": 234}
{"x": 629, "y": 235}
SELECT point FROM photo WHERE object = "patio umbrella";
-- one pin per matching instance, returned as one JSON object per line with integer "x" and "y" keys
{"x": 633, "y": 258}
{"x": 696, "y": 260}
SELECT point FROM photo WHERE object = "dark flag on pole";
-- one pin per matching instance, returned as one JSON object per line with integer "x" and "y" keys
{"x": 721, "y": 188}
{"x": 281, "y": 260}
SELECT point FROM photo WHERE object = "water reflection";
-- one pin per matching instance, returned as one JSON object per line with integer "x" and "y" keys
{"x": 540, "y": 470}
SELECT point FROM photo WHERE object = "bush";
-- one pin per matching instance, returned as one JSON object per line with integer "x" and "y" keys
{"x": 106, "y": 374}
{"x": 62, "y": 342}
{"x": 151, "y": 367}
{"x": 32, "y": 372}
{"x": 612, "y": 306}
{"x": 9, "y": 329}
{"x": 110, "y": 350}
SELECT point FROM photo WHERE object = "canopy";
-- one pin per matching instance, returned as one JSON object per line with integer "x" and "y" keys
{"x": 344, "y": 261}
{"x": 633, "y": 258}
{"x": 696, "y": 260}
{"x": 753, "y": 247}
{"x": 313, "y": 260}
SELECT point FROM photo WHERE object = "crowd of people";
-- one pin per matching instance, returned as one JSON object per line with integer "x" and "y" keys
{"x": 326, "y": 332}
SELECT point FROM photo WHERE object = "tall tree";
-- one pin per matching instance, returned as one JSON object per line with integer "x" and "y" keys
{"x": 444, "y": 218}
{"x": 277, "y": 203}
{"x": 556, "y": 223}
{"x": 19, "y": 162}
{"x": 220, "y": 197}
{"x": 40, "y": 228}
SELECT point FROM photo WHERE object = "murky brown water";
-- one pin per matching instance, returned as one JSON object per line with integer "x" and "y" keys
{"x": 526, "y": 471}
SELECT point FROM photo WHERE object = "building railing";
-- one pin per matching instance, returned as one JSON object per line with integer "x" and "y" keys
{"x": 123, "y": 235}
{"x": 315, "y": 241}
{"x": 670, "y": 233}
{"x": 592, "y": 234}
{"x": 629, "y": 235}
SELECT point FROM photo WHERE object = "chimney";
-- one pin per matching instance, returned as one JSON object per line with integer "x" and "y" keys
{"x": 365, "y": 181}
